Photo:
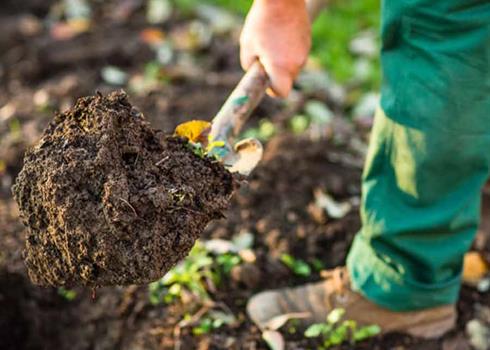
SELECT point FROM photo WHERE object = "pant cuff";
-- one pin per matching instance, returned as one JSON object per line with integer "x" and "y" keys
{"x": 386, "y": 287}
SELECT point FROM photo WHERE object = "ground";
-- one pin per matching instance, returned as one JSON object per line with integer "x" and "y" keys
{"x": 40, "y": 74}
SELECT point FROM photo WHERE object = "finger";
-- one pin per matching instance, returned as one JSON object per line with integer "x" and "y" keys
{"x": 247, "y": 58}
{"x": 281, "y": 80}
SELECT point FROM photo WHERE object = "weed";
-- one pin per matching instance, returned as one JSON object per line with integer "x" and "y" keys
{"x": 213, "y": 320}
{"x": 264, "y": 132}
{"x": 67, "y": 294}
{"x": 15, "y": 129}
{"x": 299, "y": 123}
{"x": 335, "y": 331}
{"x": 317, "y": 264}
{"x": 227, "y": 261}
{"x": 198, "y": 273}
{"x": 298, "y": 266}
{"x": 211, "y": 150}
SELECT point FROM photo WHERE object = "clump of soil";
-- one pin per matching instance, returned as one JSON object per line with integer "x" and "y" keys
{"x": 108, "y": 200}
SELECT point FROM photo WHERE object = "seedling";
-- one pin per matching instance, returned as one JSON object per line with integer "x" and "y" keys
{"x": 15, "y": 129}
{"x": 195, "y": 276}
{"x": 264, "y": 132}
{"x": 299, "y": 123}
{"x": 317, "y": 264}
{"x": 298, "y": 266}
{"x": 202, "y": 144}
{"x": 335, "y": 331}
{"x": 227, "y": 261}
{"x": 213, "y": 320}
{"x": 67, "y": 294}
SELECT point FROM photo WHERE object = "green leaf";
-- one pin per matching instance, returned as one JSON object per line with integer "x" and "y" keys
{"x": 302, "y": 269}
{"x": 224, "y": 318}
{"x": 204, "y": 327}
{"x": 366, "y": 332}
{"x": 67, "y": 294}
{"x": 338, "y": 335}
{"x": 299, "y": 123}
{"x": 317, "y": 329}
{"x": 335, "y": 315}
{"x": 317, "y": 264}
{"x": 299, "y": 267}
{"x": 228, "y": 261}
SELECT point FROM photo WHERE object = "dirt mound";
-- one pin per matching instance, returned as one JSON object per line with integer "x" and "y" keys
{"x": 108, "y": 200}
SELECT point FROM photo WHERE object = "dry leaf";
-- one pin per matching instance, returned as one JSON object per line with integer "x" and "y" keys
{"x": 194, "y": 131}
{"x": 474, "y": 268}
{"x": 69, "y": 29}
{"x": 152, "y": 36}
{"x": 334, "y": 209}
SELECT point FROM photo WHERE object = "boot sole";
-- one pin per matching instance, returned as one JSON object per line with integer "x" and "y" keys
{"x": 432, "y": 329}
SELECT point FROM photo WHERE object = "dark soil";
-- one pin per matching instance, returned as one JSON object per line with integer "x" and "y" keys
{"x": 109, "y": 201}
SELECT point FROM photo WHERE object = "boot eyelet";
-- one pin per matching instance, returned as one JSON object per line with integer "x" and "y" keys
{"x": 341, "y": 298}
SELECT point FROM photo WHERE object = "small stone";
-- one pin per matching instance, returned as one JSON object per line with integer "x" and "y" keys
{"x": 248, "y": 274}
{"x": 364, "y": 44}
{"x": 479, "y": 334}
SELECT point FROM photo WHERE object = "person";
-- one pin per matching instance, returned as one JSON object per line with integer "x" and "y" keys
{"x": 427, "y": 162}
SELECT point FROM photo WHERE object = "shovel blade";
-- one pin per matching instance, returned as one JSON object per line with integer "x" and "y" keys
{"x": 247, "y": 154}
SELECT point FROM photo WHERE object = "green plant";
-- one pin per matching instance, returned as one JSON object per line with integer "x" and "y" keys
{"x": 264, "y": 131}
{"x": 67, "y": 294}
{"x": 213, "y": 320}
{"x": 299, "y": 123}
{"x": 227, "y": 261}
{"x": 193, "y": 276}
{"x": 197, "y": 149}
{"x": 335, "y": 331}
{"x": 317, "y": 264}
{"x": 331, "y": 45}
{"x": 15, "y": 129}
{"x": 298, "y": 266}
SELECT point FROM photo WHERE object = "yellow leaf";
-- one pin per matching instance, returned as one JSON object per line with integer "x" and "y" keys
{"x": 194, "y": 131}
{"x": 474, "y": 268}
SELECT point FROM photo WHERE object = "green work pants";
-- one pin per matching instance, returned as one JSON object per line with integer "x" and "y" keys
{"x": 429, "y": 155}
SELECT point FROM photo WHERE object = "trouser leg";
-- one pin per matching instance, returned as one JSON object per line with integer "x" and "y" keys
{"x": 429, "y": 155}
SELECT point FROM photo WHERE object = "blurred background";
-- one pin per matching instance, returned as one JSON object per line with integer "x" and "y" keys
{"x": 178, "y": 60}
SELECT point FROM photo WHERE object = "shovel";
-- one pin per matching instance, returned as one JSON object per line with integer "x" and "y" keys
{"x": 243, "y": 156}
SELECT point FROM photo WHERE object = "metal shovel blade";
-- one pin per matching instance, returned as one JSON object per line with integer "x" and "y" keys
{"x": 247, "y": 154}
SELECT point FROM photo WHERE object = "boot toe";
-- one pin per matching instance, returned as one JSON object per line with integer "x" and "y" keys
{"x": 263, "y": 307}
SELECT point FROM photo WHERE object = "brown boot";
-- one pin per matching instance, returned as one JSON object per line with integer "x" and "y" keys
{"x": 318, "y": 299}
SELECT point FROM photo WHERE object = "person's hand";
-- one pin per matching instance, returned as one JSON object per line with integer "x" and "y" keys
{"x": 278, "y": 33}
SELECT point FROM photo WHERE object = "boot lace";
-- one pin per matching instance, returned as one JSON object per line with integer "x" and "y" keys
{"x": 339, "y": 280}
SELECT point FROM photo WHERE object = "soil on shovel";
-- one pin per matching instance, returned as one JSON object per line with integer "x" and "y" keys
{"x": 109, "y": 201}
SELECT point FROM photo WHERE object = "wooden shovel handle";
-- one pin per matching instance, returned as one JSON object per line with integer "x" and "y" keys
{"x": 248, "y": 93}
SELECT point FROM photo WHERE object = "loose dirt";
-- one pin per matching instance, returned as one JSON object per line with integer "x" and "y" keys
{"x": 109, "y": 201}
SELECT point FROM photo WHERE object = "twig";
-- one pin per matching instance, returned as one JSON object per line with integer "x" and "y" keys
{"x": 185, "y": 323}
{"x": 125, "y": 201}
{"x": 162, "y": 160}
